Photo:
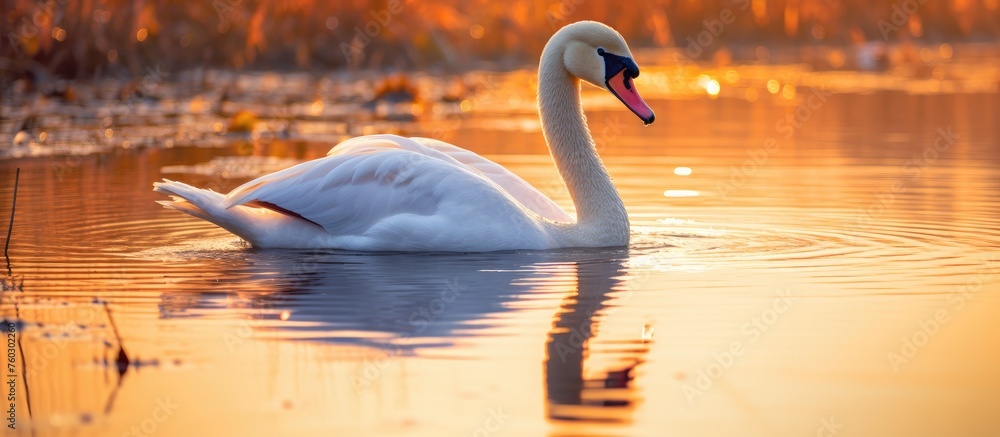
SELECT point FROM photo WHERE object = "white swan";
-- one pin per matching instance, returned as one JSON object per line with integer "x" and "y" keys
{"x": 389, "y": 193}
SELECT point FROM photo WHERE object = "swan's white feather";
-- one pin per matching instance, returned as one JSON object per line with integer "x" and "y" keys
{"x": 385, "y": 192}
{"x": 520, "y": 189}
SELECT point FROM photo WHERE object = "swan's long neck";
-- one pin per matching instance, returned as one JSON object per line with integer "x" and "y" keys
{"x": 601, "y": 215}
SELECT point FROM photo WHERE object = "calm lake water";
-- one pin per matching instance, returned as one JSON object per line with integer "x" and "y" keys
{"x": 830, "y": 266}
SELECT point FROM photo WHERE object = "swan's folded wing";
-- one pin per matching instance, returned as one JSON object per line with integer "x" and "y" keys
{"x": 518, "y": 188}
{"x": 348, "y": 193}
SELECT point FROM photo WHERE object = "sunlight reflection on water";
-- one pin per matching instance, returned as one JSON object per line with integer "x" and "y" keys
{"x": 631, "y": 341}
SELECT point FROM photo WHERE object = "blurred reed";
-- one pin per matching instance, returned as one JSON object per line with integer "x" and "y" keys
{"x": 81, "y": 39}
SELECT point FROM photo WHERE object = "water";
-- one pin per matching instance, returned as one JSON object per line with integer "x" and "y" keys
{"x": 841, "y": 280}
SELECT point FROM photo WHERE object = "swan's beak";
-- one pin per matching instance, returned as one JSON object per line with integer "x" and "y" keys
{"x": 618, "y": 74}
{"x": 622, "y": 87}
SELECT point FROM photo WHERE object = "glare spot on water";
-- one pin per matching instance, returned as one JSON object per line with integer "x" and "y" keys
{"x": 198, "y": 104}
{"x": 680, "y": 193}
{"x": 762, "y": 53}
{"x": 818, "y": 31}
{"x": 946, "y": 51}
{"x": 647, "y": 331}
{"x": 682, "y": 171}
{"x": 316, "y": 108}
{"x": 836, "y": 58}
{"x": 773, "y": 86}
{"x": 713, "y": 88}
{"x": 476, "y": 31}
{"x": 675, "y": 221}
{"x": 417, "y": 109}
{"x": 926, "y": 54}
{"x": 514, "y": 100}
{"x": 788, "y": 91}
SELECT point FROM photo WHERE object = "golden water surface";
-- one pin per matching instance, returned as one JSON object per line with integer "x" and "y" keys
{"x": 809, "y": 263}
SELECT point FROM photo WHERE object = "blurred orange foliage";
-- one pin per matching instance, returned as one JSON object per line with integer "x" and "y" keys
{"x": 83, "y": 39}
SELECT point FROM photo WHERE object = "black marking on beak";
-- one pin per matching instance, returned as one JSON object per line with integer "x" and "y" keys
{"x": 614, "y": 63}
{"x": 618, "y": 74}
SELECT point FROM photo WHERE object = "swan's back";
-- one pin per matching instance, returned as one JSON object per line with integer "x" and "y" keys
{"x": 513, "y": 184}
{"x": 386, "y": 192}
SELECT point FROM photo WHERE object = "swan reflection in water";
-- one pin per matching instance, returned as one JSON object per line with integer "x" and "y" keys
{"x": 404, "y": 302}
{"x": 572, "y": 394}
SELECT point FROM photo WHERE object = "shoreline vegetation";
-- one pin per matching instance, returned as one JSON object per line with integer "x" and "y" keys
{"x": 64, "y": 39}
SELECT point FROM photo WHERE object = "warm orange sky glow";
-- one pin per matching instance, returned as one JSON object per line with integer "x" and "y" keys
{"x": 78, "y": 38}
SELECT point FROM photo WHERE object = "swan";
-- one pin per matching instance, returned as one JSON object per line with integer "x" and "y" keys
{"x": 390, "y": 193}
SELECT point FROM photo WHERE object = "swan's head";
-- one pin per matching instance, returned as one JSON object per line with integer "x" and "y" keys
{"x": 597, "y": 54}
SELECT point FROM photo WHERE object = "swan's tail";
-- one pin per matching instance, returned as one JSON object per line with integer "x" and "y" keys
{"x": 207, "y": 205}
{"x": 194, "y": 201}
{"x": 260, "y": 226}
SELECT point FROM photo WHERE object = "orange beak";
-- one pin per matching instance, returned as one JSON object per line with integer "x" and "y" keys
{"x": 618, "y": 74}
{"x": 622, "y": 87}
